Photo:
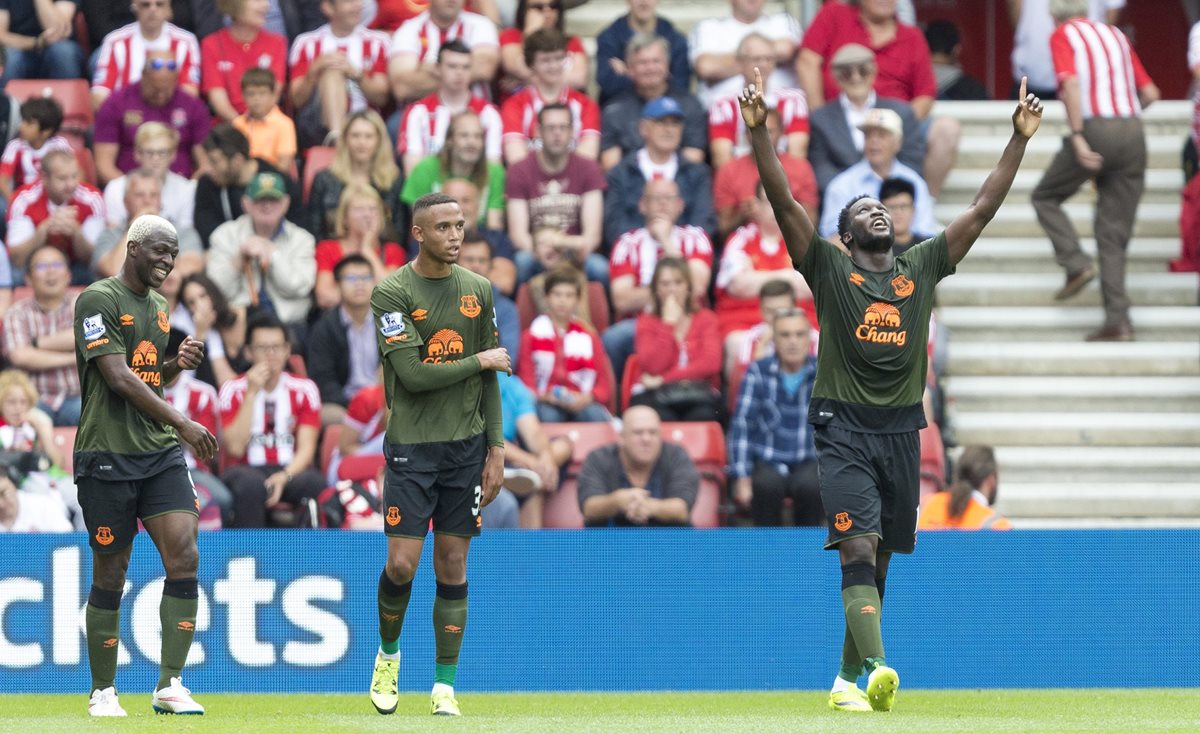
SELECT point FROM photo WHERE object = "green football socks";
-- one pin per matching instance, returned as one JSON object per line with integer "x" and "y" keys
{"x": 393, "y": 603}
{"x": 449, "y": 621}
{"x": 102, "y": 621}
{"x": 177, "y": 612}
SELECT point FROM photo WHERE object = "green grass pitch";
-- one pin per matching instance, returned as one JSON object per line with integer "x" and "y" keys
{"x": 1094, "y": 711}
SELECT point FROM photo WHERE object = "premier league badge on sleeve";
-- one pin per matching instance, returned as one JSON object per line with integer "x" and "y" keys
{"x": 391, "y": 324}
{"x": 93, "y": 327}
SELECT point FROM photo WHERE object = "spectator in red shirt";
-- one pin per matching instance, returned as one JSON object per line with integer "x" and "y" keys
{"x": 905, "y": 71}
{"x": 337, "y": 69}
{"x": 228, "y": 53}
{"x": 754, "y": 255}
{"x": 737, "y": 180}
{"x": 534, "y": 15}
{"x": 679, "y": 350}
{"x": 74, "y": 224}
{"x": 270, "y": 420}
{"x": 546, "y": 54}
{"x": 359, "y": 224}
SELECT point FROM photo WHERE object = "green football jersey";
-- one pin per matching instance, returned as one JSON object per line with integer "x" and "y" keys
{"x": 444, "y": 320}
{"x": 112, "y": 319}
{"x": 874, "y": 326}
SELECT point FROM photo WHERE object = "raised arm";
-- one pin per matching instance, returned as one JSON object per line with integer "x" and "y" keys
{"x": 966, "y": 227}
{"x": 793, "y": 220}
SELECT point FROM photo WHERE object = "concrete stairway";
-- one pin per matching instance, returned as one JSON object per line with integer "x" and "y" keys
{"x": 1086, "y": 434}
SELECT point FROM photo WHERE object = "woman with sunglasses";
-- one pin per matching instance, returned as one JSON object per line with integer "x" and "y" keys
{"x": 534, "y": 15}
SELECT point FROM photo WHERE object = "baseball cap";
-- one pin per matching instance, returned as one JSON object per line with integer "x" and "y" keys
{"x": 266, "y": 185}
{"x": 660, "y": 107}
{"x": 853, "y": 53}
{"x": 883, "y": 119}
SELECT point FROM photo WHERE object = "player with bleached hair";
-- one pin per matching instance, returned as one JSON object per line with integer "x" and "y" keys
{"x": 129, "y": 463}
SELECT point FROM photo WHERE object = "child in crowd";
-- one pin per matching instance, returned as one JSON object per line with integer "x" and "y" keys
{"x": 271, "y": 133}
{"x": 41, "y": 117}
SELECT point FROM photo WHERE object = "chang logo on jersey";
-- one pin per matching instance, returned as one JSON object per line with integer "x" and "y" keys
{"x": 445, "y": 345}
{"x": 881, "y": 325}
{"x": 145, "y": 355}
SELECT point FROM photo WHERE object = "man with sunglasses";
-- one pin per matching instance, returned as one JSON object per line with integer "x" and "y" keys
{"x": 157, "y": 97}
{"x": 835, "y": 141}
{"x": 123, "y": 53}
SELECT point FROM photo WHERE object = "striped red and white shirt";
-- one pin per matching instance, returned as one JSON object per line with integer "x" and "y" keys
{"x": 366, "y": 50}
{"x": 197, "y": 400}
{"x": 123, "y": 56}
{"x": 423, "y": 131}
{"x": 1109, "y": 70}
{"x": 637, "y": 253}
{"x": 421, "y": 37}
{"x": 23, "y": 164}
{"x": 520, "y": 113}
{"x": 30, "y": 206}
{"x": 725, "y": 118}
{"x": 277, "y": 416}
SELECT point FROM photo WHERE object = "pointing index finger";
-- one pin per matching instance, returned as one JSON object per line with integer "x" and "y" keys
{"x": 758, "y": 86}
{"x": 1024, "y": 80}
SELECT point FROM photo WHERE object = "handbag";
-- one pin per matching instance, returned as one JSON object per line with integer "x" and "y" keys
{"x": 684, "y": 394}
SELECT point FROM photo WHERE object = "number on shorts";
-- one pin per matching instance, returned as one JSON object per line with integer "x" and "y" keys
{"x": 478, "y": 500}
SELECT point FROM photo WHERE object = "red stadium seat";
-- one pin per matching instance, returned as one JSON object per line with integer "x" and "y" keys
{"x": 317, "y": 159}
{"x": 706, "y": 512}
{"x": 562, "y": 507}
{"x": 74, "y": 95}
{"x": 705, "y": 442}
{"x": 526, "y": 310}
{"x": 598, "y": 305}
{"x": 329, "y": 441}
{"x": 64, "y": 440}
{"x": 87, "y": 164}
{"x": 598, "y": 309}
{"x": 586, "y": 436}
{"x": 629, "y": 378}
{"x": 361, "y": 467}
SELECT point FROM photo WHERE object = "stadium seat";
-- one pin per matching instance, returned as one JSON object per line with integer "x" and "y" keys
{"x": 562, "y": 507}
{"x": 629, "y": 378}
{"x": 933, "y": 460}
{"x": 296, "y": 366}
{"x": 598, "y": 305}
{"x": 598, "y": 309}
{"x": 706, "y": 512}
{"x": 329, "y": 441}
{"x": 87, "y": 164}
{"x": 361, "y": 467}
{"x": 586, "y": 436}
{"x": 73, "y": 94}
{"x": 704, "y": 441}
{"x": 64, "y": 439}
{"x": 316, "y": 159}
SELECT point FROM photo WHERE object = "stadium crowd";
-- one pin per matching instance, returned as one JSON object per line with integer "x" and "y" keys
{"x": 612, "y": 202}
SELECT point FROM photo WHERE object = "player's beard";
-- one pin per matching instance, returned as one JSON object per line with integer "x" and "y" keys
{"x": 876, "y": 242}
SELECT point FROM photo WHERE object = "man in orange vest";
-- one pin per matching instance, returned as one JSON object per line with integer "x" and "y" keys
{"x": 966, "y": 505}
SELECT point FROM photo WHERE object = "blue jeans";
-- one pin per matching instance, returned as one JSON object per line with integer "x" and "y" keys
{"x": 67, "y": 413}
{"x": 618, "y": 341}
{"x": 595, "y": 267}
{"x": 594, "y": 413}
{"x": 62, "y": 60}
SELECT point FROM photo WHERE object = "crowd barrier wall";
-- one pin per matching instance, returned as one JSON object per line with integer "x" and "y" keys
{"x": 624, "y": 610}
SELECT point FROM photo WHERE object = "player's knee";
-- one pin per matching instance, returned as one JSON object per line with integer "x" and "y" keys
{"x": 108, "y": 571}
{"x": 451, "y": 564}
{"x": 857, "y": 551}
{"x": 183, "y": 560}
{"x": 401, "y": 569}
